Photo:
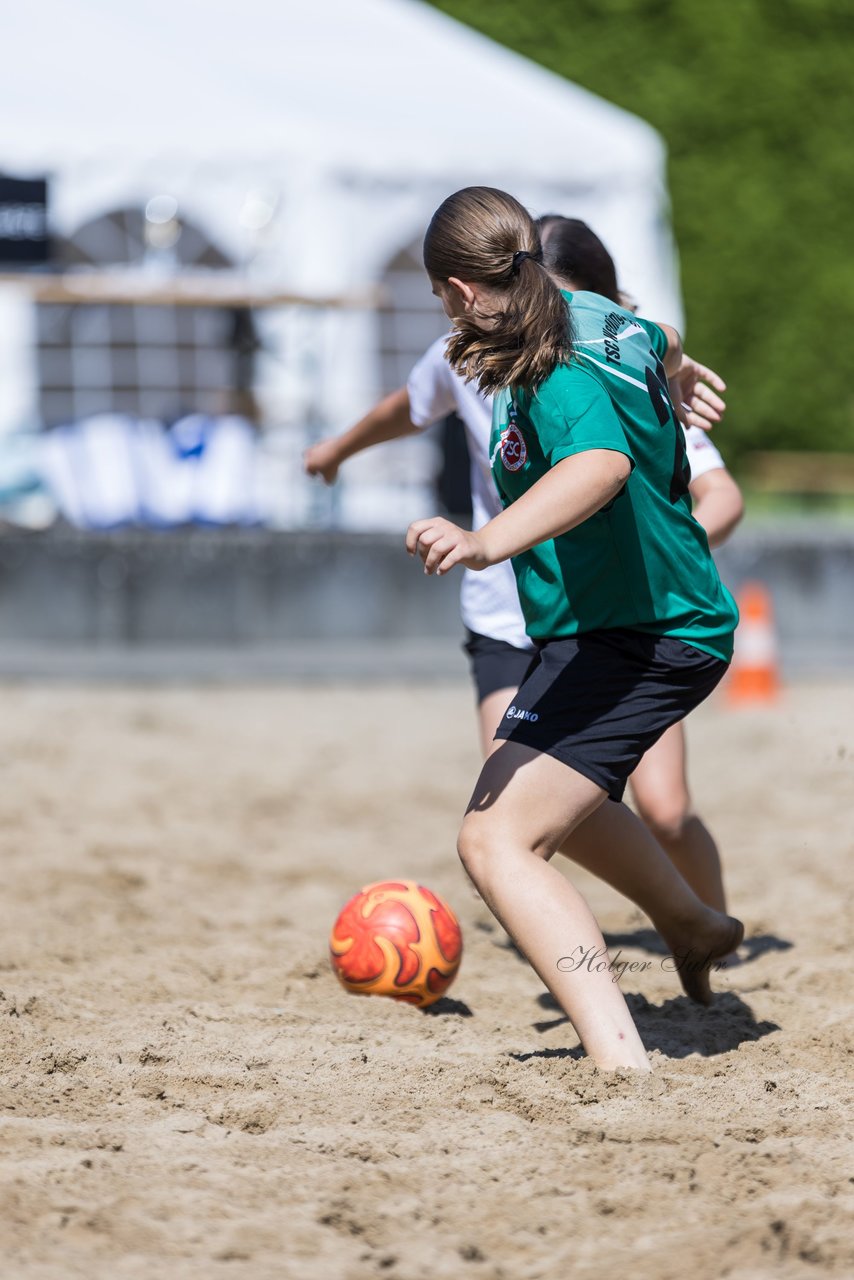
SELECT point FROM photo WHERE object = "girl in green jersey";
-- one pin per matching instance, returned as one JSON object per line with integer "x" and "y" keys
{"x": 632, "y": 625}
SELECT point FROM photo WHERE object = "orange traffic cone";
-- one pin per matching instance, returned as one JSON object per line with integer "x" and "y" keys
{"x": 754, "y": 674}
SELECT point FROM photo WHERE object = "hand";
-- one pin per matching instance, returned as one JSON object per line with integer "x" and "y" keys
{"x": 322, "y": 460}
{"x": 695, "y": 401}
{"x": 441, "y": 545}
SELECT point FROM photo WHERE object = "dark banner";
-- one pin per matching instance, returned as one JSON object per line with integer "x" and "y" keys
{"x": 23, "y": 221}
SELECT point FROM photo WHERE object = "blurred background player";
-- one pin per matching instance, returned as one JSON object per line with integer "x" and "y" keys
{"x": 578, "y": 260}
{"x": 498, "y": 646}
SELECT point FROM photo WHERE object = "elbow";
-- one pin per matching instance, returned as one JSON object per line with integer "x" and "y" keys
{"x": 732, "y": 510}
{"x": 735, "y": 515}
{"x": 718, "y": 504}
{"x": 736, "y": 511}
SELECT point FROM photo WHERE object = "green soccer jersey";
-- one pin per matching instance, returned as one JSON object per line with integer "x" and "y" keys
{"x": 642, "y": 561}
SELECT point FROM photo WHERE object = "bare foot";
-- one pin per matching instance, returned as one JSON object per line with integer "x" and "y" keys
{"x": 694, "y": 950}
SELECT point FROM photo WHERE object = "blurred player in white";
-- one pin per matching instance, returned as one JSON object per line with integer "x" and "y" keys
{"x": 497, "y": 644}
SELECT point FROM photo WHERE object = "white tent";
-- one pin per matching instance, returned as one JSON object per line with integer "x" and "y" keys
{"x": 349, "y": 120}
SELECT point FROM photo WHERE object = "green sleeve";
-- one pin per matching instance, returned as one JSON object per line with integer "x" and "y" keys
{"x": 657, "y": 336}
{"x": 573, "y": 414}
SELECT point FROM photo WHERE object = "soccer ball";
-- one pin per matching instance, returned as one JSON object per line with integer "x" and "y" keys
{"x": 396, "y": 938}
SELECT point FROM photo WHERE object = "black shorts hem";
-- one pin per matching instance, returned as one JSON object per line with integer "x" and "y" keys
{"x": 495, "y": 664}
{"x": 599, "y": 701}
{"x": 614, "y": 788}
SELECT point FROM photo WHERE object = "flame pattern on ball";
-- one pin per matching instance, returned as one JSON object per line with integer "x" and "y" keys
{"x": 396, "y": 938}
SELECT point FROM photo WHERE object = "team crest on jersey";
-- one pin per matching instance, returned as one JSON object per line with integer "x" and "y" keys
{"x": 514, "y": 451}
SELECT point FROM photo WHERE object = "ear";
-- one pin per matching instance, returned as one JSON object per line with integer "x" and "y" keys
{"x": 464, "y": 293}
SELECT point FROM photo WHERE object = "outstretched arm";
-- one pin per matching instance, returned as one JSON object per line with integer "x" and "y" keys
{"x": 388, "y": 420}
{"x": 572, "y": 491}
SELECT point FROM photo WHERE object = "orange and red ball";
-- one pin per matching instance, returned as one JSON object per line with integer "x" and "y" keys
{"x": 395, "y": 938}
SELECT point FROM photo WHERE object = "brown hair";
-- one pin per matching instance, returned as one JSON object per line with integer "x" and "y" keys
{"x": 484, "y": 236}
{"x": 576, "y": 254}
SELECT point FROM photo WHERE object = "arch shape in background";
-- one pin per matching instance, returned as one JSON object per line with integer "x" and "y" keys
{"x": 151, "y": 361}
{"x": 410, "y": 318}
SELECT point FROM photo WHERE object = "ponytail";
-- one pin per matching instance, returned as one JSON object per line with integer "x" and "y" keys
{"x": 486, "y": 237}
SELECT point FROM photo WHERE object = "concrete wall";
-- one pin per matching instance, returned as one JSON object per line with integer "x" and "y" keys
{"x": 258, "y": 603}
{"x": 808, "y": 566}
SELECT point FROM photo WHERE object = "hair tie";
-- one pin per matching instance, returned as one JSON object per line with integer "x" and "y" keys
{"x": 521, "y": 255}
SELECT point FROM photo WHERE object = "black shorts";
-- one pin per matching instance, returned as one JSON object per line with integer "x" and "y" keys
{"x": 495, "y": 664}
{"x": 598, "y": 702}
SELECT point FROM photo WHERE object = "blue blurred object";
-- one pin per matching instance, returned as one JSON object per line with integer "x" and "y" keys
{"x": 112, "y": 470}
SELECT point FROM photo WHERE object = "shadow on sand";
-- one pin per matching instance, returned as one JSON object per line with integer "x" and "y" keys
{"x": 646, "y": 939}
{"x": 677, "y": 1028}
{"x": 446, "y": 1007}
{"x": 576, "y": 1054}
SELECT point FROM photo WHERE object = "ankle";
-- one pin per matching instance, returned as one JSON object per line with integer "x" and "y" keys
{"x": 694, "y": 918}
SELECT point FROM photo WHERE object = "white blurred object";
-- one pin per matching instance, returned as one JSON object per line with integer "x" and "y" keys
{"x": 317, "y": 180}
{"x": 366, "y": 507}
{"x": 166, "y": 490}
{"x": 89, "y": 468}
{"x": 351, "y": 150}
{"x": 18, "y": 374}
{"x": 109, "y": 470}
{"x": 223, "y": 463}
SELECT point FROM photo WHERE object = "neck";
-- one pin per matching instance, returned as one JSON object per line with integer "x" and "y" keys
{"x": 563, "y": 282}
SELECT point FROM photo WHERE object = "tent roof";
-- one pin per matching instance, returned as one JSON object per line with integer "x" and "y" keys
{"x": 389, "y": 89}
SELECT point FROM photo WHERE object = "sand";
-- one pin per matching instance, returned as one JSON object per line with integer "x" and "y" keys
{"x": 187, "y": 1092}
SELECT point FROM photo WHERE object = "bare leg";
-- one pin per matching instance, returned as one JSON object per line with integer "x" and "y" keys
{"x": 523, "y": 807}
{"x": 614, "y": 845}
{"x": 490, "y": 713}
{"x": 660, "y": 789}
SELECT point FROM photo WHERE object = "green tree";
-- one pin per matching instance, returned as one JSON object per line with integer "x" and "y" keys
{"x": 754, "y": 100}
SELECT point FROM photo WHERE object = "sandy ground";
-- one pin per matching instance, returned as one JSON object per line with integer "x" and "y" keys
{"x": 187, "y": 1092}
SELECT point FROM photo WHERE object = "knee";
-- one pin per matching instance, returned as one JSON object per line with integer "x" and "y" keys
{"x": 473, "y": 847}
{"x": 668, "y": 817}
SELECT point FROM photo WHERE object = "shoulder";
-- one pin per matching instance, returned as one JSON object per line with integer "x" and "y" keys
{"x": 431, "y": 386}
{"x": 569, "y": 391}
{"x": 596, "y": 315}
{"x": 592, "y": 309}
{"x": 433, "y": 363}
{"x": 657, "y": 335}
{"x": 609, "y": 337}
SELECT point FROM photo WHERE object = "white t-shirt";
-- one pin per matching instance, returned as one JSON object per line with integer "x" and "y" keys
{"x": 489, "y": 602}
{"x": 702, "y": 454}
